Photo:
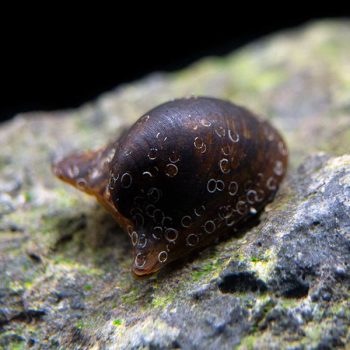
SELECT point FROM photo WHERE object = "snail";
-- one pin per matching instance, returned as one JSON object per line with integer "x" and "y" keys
{"x": 185, "y": 174}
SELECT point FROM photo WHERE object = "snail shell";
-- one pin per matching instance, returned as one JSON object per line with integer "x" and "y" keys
{"x": 186, "y": 173}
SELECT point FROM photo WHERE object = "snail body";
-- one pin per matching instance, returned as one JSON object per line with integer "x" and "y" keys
{"x": 185, "y": 174}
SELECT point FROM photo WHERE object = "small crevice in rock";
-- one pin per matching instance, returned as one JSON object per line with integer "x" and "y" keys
{"x": 34, "y": 256}
{"x": 31, "y": 314}
{"x": 241, "y": 281}
{"x": 25, "y": 316}
{"x": 300, "y": 289}
{"x": 290, "y": 286}
{"x": 67, "y": 227}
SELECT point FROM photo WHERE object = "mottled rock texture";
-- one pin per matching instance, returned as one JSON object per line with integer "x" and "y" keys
{"x": 282, "y": 282}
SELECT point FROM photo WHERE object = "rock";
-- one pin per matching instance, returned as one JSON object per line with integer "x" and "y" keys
{"x": 282, "y": 282}
{"x": 201, "y": 292}
{"x": 149, "y": 334}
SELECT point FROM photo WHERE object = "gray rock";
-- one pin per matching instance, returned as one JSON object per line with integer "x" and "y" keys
{"x": 150, "y": 334}
{"x": 281, "y": 282}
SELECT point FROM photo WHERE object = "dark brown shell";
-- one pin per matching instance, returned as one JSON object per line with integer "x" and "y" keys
{"x": 186, "y": 173}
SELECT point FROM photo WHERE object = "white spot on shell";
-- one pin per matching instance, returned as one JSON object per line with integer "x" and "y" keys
{"x": 259, "y": 196}
{"x": 232, "y": 188}
{"x": 215, "y": 185}
{"x": 171, "y": 234}
{"x": 230, "y": 221}
{"x": 186, "y": 221}
{"x": 198, "y": 143}
{"x": 157, "y": 232}
{"x": 140, "y": 260}
{"x": 145, "y": 118}
{"x": 224, "y": 166}
{"x": 225, "y": 212}
{"x": 282, "y": 148}
{"x": 171, "y": 170}
{"x": 234, "y": 137}
{"x": 211, "y": 186}
{"x": 147, "y": 173}
{"x": 205, "y": 123}
{"x": 167, "y": 247}
{"x": 151, "y": 172}
{"x": 142, "y": 241}
{"x": 192, "y": 240}
{"x": 154, "y": 194}
{"x": 159, "y": 137}
{"x": 73, "y": 171}
{"x": 199, "y": 211}
{"x": 174, "y": 157}
{"x": 209, "y": 226}
{"x": 278, "y": 168}
{"x": 153, "y": 153}
{"x": 220, "y": 185}
{"x": 220, "y": 131}
{"x": 162, "y": 256}
{"x": 253, "y": 211}
{"x": 126, "y": 180}
{"x": 226, "y": 150}
{"x": 271, "y": 183}
{"x": 251, "y": 196}
{"x": 241, "y": 207}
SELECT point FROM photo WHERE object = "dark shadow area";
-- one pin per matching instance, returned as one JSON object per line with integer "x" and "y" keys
{"x": 241, "y": 281}
{"x": 237, "y": 232}
{"x": 60, "y": 65}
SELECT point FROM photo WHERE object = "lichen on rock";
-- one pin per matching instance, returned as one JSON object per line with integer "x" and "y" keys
{"x": 283, "y": 282}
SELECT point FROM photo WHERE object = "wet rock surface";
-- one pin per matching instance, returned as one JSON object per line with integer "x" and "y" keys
{"x": 283, "y": 282}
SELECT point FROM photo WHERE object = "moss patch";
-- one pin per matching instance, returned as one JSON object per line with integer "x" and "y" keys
{"x": 117, "y": 322}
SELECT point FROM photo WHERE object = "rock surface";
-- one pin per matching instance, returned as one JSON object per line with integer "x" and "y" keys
{"x": 284, "y": 282}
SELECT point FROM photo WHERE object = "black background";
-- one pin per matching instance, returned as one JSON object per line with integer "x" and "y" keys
{"x": 62, "y": 63}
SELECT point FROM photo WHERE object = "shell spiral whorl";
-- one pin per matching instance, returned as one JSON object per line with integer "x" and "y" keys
{"x": 188, "y": 171}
